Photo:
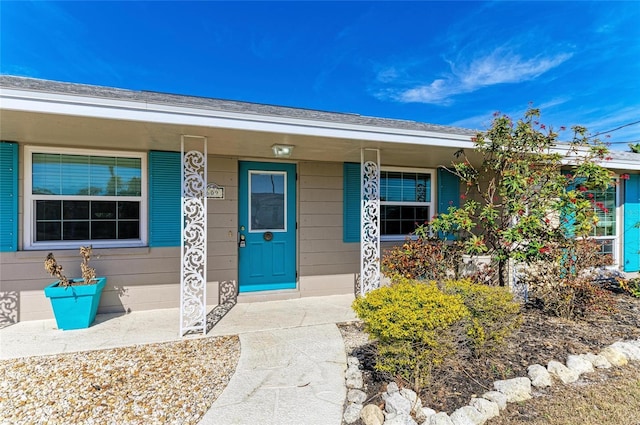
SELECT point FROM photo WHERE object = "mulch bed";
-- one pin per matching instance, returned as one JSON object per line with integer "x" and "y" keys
{"x": 540, "y": 339}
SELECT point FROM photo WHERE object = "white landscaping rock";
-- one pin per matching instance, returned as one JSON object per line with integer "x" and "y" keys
{"x": 356, "y": 396}
{"x": 497, "y": 397}
{"x": 395, "y": 403}
{"x": 426, "y": 412}
{"x": 635, "y": 342}
{"x": 392, "y": 387}
{"x": 597, "y": 360}
{"x": 631, "y": 351}
{"x": 467, "y": 415}
{"x": 353, "y": 376}
{"x": 579, "y": 364}
{"x": 614, "y": 356}
{"x": 416, "y": 403}
{"x": 563, "y": 373}
{"x": 516, "y": 389}
{"x": 399, "y": 419}
{"x": 353, "y": 361}
{"x": 539, "y": 375}
{"x": 439, "y": 419}
{"x": 352, "y": 413}
{"x": 489, "y": 409}
{"x": 372, "y": 415}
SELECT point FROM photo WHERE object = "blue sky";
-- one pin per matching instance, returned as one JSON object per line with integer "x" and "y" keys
{"x": 451, "y": 63}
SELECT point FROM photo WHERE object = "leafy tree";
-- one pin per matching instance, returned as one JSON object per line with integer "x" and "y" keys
{"x": 635, "y": 148}
{"x": 517, "y": 201}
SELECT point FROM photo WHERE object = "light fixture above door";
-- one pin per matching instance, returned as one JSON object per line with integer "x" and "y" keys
{"x": 282, "y": 151}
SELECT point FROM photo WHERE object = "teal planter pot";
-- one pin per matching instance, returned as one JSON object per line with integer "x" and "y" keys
{"x": 75, "y": 307}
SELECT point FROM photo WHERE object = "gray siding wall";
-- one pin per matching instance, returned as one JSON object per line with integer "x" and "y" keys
{"x": 149, "y": 278}
{"x": 222, "y": 222}
{"x": 137, "y": 278}
{"x": 326, "y": 264}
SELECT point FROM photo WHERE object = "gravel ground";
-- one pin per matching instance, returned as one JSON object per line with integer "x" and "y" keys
{"x": 168, "y": 383}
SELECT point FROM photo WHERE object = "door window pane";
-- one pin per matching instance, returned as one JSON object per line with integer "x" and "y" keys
{"x": 267, "y": 200}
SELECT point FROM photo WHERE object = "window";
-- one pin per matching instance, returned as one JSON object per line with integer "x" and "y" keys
{"x": 605, "y": 231}
{"x": 406, "y": 199}
{"x": 74, "y": 197}
{"x": 267, "y": 201}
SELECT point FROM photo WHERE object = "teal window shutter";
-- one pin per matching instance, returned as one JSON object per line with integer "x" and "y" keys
{"x": 164, "y": 198}
{"x": 448, "y": 192}
{"x": 631, "y": 219}
{"x": 8, "y": 196}
{"x": 351, "y": 203}
{"x": 568, "y": 213}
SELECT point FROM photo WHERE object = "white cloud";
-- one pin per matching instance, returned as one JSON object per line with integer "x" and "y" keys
{"x": 387, "y": 75}
{"x": 437, "y": 92}
{"x": 498, "y": 67}
{"x": 502, "y": 67}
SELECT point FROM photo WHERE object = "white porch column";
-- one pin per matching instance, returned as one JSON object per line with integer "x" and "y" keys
{"x": 193, "y": 256}
{"x": 370, "y": 220}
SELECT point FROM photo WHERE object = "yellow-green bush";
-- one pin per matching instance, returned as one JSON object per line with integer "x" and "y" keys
{"x": 494, "y": 314}
{"x": 418, "y": 324}
{"x": 414, "y": 325}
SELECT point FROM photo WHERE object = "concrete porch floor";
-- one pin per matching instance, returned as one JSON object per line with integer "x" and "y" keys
{"x": 41, "y": 337}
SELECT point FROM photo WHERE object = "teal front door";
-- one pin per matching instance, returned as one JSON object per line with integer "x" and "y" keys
{"x": 266, "y": 226}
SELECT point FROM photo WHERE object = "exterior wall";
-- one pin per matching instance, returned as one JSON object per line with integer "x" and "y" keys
{"x": 222, "y": 225}
{"x": 327, "y": 265}
{"x": 137, "y": 279}
{"x": 149, "y": 278}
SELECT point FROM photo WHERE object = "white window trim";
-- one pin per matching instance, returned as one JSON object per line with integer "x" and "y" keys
{"x": 29, "y": 199}
{"x": 430, "y": 203}
{"x": 618, "y": 238}
{"x": 618, "y": 215}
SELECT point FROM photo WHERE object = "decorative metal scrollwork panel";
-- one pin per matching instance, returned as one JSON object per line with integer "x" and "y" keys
{"x": 370, "y": 222}
{"x": 193, "y": 282}
{"x": 8, "y": 308}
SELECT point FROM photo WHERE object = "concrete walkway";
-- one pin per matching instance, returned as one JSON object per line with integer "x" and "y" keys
{"x": 291, "y": 367}
{"x": 285, "y": 376}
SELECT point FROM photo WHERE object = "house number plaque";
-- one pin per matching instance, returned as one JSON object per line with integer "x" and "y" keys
{"x": 214, "y": 191}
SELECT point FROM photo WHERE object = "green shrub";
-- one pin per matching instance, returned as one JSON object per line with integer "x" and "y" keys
{"x": 494, "y": 315}
{"x": 414, "y": 325}
{"x": 630, "y": 286}
{"x": 422, "y": 258}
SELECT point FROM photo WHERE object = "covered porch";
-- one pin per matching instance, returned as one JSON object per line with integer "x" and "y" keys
{"x": 191, "y": 204}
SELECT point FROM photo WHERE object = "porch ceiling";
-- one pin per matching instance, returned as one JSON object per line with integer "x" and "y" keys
{"x": 89, "y": 132}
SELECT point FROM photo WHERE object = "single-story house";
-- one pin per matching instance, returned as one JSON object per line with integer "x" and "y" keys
{"x": 185, "y": 197}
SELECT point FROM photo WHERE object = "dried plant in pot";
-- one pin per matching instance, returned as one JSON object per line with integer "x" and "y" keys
{"x": 74, "y": 301}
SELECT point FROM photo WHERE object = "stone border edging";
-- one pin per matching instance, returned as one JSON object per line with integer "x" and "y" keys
{"x": 404, "y": 407}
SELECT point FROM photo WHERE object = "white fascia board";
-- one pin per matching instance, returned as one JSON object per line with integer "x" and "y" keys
{"x": 612, "y": 164}
{"x": 54, "y": 103}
